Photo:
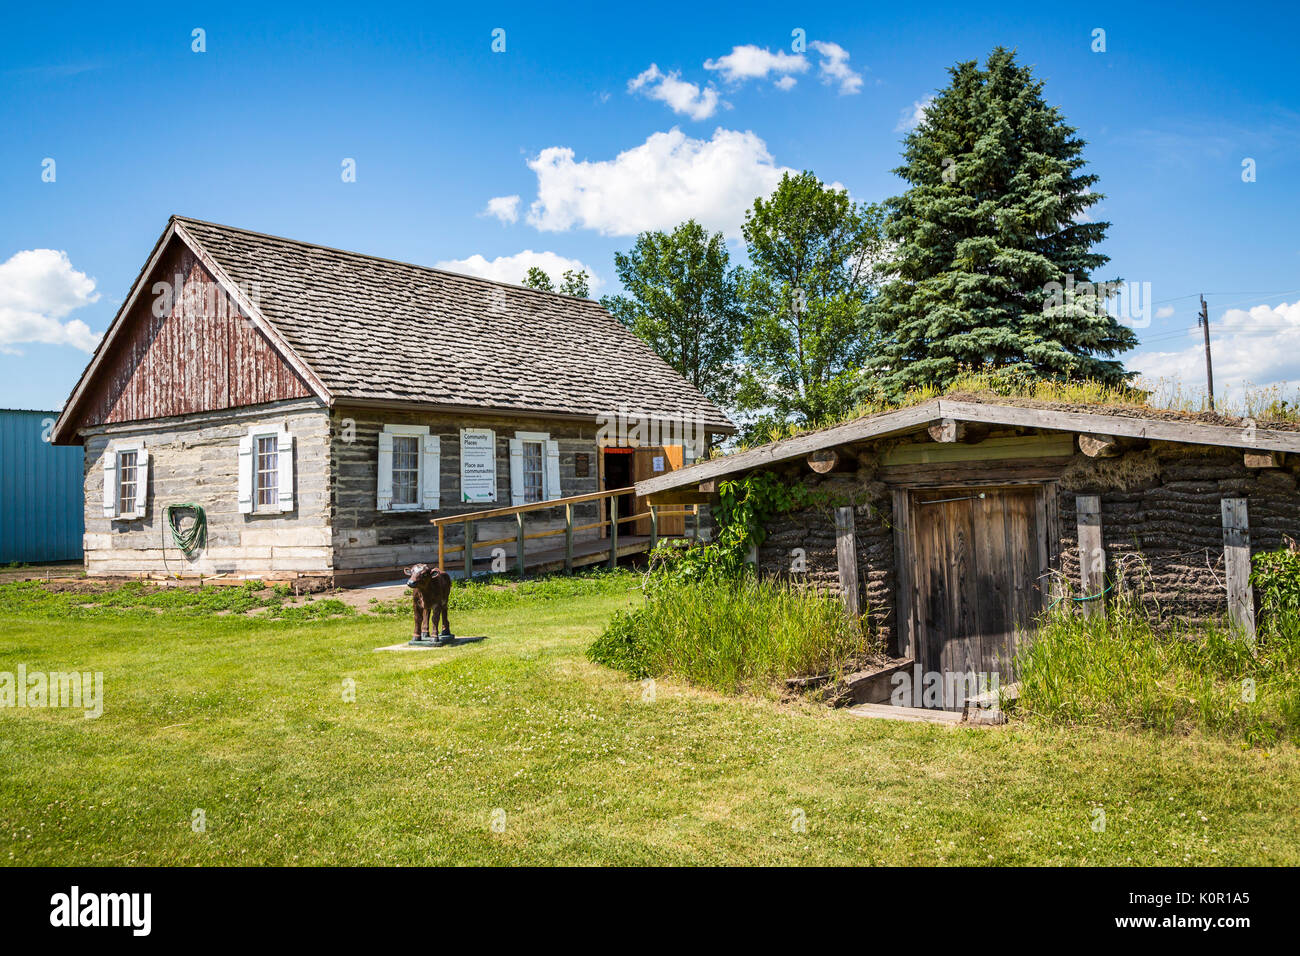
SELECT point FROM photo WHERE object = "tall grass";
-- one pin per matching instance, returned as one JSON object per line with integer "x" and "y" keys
{"x": 733, "y": 635}
{"x": 1127, "y": 671}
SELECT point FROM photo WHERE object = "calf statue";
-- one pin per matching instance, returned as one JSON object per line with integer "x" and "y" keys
{"x": 432, "y": 591}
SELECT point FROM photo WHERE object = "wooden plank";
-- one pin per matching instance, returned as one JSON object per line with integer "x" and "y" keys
{"x": 846, "y": 557}
{"x": 683, "y": 498}
{"x": 882, "y": 425}
{"x": 1092, "y": 555}
{"x": 535, "y": 506}
{"x": 521, "y": 541}
{"x": 1159, "y": 429}
{"x": 1003, "y": 471}
{"x": 912, "y": 714}
{"x": 1236, "y": 559}
{"x": 468, "y": 549}
{"x": 991, "y": 449}
{"x": 613, "y": 532}
{"x": 568, "y": 538}
{"x": 903, "y": 588}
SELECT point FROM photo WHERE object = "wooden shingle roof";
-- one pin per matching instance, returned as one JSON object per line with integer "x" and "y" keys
{"x": 375, "y": 329}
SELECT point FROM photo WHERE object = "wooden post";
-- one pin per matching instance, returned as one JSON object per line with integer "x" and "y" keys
{"x": 1236, "y": 559}
{"x": 442, "y": 552}
{"x": 519, "y": 545}
{"x": 903, "y": 599}
{"x": 846, "y": 556}
{"x": 654, "y": 526}
{"x": 696, "y": 539}
{"x": 568, "y": 539}
{"x": 1092, "y": 556}
{"x": 613, "y": 531}
{"x": 468, "y": 553}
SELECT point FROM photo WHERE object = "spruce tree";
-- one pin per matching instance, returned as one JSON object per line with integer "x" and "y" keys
{"x": 993, "y": 256}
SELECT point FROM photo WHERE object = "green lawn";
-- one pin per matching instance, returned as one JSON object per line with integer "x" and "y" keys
{"x": 245, "y": 719}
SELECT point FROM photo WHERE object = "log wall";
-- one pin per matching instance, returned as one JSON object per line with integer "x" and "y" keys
{"x": 364, "y": 537}
{"x": 1161, "y": 521}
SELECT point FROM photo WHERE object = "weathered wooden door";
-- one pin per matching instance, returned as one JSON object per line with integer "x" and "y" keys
{"x": 978, "y": 557}
{"x": 647, "y": 463}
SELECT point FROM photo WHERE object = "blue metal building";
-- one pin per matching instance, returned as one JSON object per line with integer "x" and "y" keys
{"x": 41, "y": 516}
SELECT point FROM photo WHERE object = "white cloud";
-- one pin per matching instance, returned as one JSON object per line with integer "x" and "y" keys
{"x": 750, "y": 62}
{"x": 514, "y": 268}
{"x": 834, "y": 66}
{"x": 38, "y": 288}
{"x": 1259, "y": 347}
{"x": 913, "y": 116}
{"x": 681, "y": 96}
{"x": 668, "y": 178}
{"x": 1164, "y": 312}
{"x": 505, "y": 208}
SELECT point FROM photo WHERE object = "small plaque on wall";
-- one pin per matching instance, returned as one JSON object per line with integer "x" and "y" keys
{"x": 581, "y": 465}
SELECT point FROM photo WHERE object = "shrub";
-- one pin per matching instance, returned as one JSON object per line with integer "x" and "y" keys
{"x": 732, "y": 634}
{"x": 1276, "y": 574}
{"x": 1125, "y": 670}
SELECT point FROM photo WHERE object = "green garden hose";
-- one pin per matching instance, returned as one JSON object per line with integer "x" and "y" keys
{"x": 193, "y": 537}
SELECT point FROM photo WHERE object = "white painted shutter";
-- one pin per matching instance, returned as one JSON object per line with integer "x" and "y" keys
{"x": 384, "y": 499}
{"x": 284, "y": 465}
{"x": 110, "y": 482}
{"x": 246, "y": 475}
{"x": 552, "y": 469}
{"x": 516, "y": 471}
{"x": 430, "y": 471}
{"x": 141, "y": 482}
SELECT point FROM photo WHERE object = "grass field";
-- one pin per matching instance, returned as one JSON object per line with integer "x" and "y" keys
{"x": 518, "y": 750}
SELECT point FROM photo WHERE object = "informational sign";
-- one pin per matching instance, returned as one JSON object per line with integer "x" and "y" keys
{"x": 659, "y": 463}
{"x": 581, "y": 465}
{"x": 478, "y": 465}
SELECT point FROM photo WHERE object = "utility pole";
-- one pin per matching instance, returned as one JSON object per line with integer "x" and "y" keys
{"x": 1204, "y": 323}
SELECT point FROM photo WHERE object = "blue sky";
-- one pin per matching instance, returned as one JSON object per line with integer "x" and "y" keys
{"x": 254, "y": 131}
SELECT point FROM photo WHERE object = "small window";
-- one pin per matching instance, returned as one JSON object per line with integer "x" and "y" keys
{"x": 406, "y": 469}
{"x": 534, "y": 459}
{"x": 127, "y": 483}
{"x": 267, "y": 473}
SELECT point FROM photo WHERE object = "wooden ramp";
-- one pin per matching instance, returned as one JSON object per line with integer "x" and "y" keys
{"x": 565, "y": 548}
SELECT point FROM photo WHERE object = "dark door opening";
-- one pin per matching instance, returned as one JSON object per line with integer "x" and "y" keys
{"x": 618, "y": 474}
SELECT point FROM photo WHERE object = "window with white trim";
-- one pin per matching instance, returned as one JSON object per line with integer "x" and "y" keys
{"x": 534, "y": 468}
{"x": 268, "y": 473}
{"x": 534, "y": 472}
{"x": 265, "y": 471}
{"x": 127, "y": 465}
{"x": 126, "y": 480}
{"x": 409, "y": 466}
{"x": 406, "y": 469}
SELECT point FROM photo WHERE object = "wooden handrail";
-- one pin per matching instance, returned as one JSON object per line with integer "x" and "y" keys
{"x": 533, "y": 506}
{"x": 522, "y": 537}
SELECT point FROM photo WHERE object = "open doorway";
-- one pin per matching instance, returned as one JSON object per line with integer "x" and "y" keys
{"x": 618, "y": 474}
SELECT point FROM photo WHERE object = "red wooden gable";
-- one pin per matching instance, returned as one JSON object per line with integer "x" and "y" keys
{"x": 201, "y": 354}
